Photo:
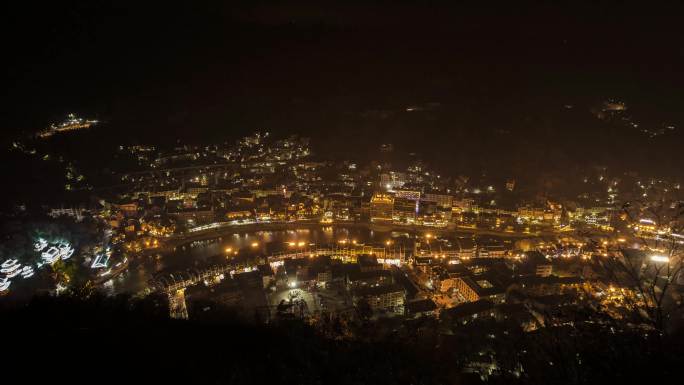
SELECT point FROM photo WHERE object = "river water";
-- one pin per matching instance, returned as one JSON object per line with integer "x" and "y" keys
{"x": 248, "y": 244}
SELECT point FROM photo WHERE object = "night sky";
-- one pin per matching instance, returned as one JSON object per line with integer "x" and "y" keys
{"x": 495, "y": 78}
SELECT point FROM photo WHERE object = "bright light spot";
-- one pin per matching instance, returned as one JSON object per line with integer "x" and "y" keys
{"x": 9, "y": 266}
{"x": 660, "y": 258}
{"x": 101, "y": 260}
{"x": 255, "y": 244}
{"x": 40, "y": 245}
{"x": 292, "y": 284}
{"x": 5, "y": 283}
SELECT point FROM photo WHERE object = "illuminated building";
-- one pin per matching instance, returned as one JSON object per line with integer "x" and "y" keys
{"x": 510, "y": 184}
{"x": 491, "y": 250}
{"x": 474, "y": 288}
{"x": 194, "y": 189}
{"x": 534, "y": 214}
{"x": 466, "y": 248}
{"x": 404, "y": 210}
{"x": 196, "y": 215}
{"x": 392, "y": 180}
{"x": 468, "y": 311}
{"x": 381, "y": 207}
{"x": 369, "y": 278}
{"x": 463, "y": 205}
{"x": 544, "y": 270}
{"x": 388, "y": 298}
{"x": 70, "y": 124}
{"x": 73, "y": 212}
{"x": 408, "y": 194}
{"x": 442, "y": 200}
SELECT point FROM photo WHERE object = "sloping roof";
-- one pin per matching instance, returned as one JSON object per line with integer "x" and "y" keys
{"x": 422, "y": 305}
{"x": 468, "y": 309}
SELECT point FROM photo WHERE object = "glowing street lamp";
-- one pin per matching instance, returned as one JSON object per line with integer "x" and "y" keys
{"x": 229, "y": 250}
{"x": 301, "y": 244}
{"x": 255, "y": 244}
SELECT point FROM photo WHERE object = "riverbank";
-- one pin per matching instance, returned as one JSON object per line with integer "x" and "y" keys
{"x": 222, "y": 231}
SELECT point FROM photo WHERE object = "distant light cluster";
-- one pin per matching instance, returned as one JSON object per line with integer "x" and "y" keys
{"x": 71, "y": 123}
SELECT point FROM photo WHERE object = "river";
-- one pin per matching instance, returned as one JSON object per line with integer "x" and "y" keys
{"x": 248, "y": 245}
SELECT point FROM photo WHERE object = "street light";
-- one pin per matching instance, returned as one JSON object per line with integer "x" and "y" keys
{"x": 255, "y": 244}
{"x": 229, "y": 249}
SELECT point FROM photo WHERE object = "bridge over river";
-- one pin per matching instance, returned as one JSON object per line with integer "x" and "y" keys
{"x": 174, "y": 284}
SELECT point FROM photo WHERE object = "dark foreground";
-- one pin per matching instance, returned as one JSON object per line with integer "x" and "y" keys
{"x": 118, "y": 340}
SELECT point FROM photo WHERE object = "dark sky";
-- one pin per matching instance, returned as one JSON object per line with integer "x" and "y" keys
{"x": 345, "y": 69}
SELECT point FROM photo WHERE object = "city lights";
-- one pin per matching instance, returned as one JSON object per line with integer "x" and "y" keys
{"x": 101, "y": 260}
{"x": 27, "y": 272}
{"x": 40, "y": 244}
{"x": 468, "y": 193}
{"x": 9, "y": 266}
{"x": 4, "y": 283}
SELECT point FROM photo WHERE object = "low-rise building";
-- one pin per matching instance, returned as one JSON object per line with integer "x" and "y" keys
{"x": 389, "y": 298}
{"x": 421, "y": 308}
{"x": 475, "y": 288}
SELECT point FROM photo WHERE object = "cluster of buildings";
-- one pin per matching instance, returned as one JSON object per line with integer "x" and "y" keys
{"x": 260, "y": 179}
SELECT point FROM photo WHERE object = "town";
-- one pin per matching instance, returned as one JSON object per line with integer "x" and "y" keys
{"x": 340, "y": 240}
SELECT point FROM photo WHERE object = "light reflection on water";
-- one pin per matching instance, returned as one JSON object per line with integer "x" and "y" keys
{"x": 213, "y": 251}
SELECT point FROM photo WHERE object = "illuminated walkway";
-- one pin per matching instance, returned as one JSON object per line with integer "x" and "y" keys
{"x": 171, "y": 283}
